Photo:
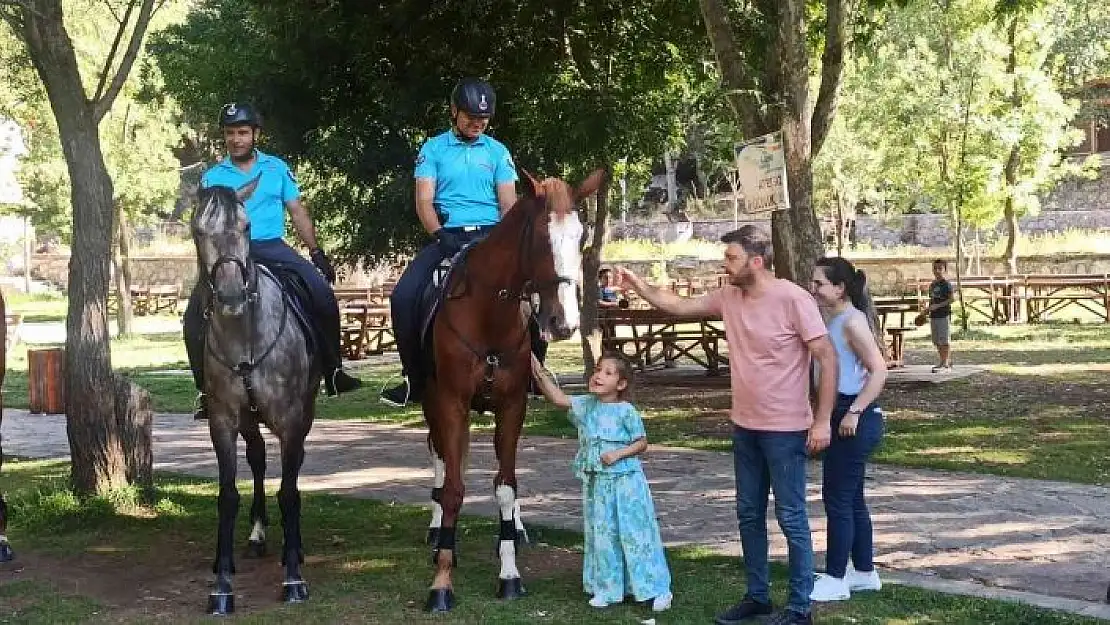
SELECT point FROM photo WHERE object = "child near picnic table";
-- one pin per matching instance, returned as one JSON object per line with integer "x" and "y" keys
{"x": 623, "y": 552}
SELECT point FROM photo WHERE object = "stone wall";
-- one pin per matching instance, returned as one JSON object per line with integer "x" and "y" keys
{"x": 925, "y": 230}
{"x": 1073, "y": 204}
{"x": 1082, "y": 195}
{"x": 178, "y": 269}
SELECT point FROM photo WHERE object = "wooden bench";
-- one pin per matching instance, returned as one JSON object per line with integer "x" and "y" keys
{"x": 897, "y": 345}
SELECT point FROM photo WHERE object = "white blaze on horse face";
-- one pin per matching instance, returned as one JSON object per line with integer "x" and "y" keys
{"x": 506, "y": 500}
{"x": 566, "y": 234}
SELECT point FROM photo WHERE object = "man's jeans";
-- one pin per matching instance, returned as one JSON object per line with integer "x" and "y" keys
{"x": 766, "y": 461}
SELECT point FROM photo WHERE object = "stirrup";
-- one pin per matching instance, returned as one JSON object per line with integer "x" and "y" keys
{"x": 389, "y": 402}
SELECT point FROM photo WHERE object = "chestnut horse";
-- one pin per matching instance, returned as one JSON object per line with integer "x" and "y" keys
{"x": 482, "y": 358}
{"x": 6, "y": 553}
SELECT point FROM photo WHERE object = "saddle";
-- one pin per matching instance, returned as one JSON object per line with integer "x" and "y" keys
{"x": 299, "y": 299}
{"x": 434, "y": 294}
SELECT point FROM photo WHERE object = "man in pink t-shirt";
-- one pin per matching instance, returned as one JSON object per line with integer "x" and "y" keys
{"x": 774, "y": 331}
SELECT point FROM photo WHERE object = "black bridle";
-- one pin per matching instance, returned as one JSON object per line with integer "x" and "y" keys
{"x": 248, "y": 294}
{"x": 493, "y": 358}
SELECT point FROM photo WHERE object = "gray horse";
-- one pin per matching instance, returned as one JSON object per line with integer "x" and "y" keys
{"x": 258, "y": 370}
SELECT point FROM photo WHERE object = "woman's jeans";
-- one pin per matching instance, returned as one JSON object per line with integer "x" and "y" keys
{"x": 845, "y": 462}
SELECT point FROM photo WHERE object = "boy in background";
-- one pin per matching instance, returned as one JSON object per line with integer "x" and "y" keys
{"x": 941, "y": 296}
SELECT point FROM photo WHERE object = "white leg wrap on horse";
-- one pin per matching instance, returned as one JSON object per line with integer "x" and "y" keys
{"x": 519, "y": 524}
{"x": 258, "y": 532}
{"x": 3, "y": 539}
{"x": 440, "y": 471}
{"x": 506, "y": 500}
{"x": 507, "y": 551}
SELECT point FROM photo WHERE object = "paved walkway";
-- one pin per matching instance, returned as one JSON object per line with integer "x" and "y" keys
{"x": 966, "y": 533}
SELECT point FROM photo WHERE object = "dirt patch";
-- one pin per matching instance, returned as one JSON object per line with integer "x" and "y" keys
{"x": 547, "y": 561}
{"x": 168, "y": 583}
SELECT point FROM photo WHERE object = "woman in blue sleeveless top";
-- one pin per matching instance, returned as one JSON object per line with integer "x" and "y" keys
{"x": 857, "y": 427}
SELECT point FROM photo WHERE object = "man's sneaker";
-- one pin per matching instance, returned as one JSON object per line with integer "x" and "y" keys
{"x": 829, "y": 588}
{"x": 662, "y": 603}
{"x": 862, "y": 581}
{"x": 790, "y": 617}
{"x": 397, "y": 396}
{"x": 340, "y": 382}
{"x": 947, "y": 367}
{"x": 746, "y": 609}
{"x": 200, "y": 408}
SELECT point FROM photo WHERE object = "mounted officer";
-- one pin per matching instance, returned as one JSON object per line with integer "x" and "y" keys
{"x": 465, "y": 182}
{"x": 276, "y": 193}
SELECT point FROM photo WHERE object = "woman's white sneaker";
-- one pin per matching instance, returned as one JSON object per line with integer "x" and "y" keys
{"x": 597, "y": 602}
{"x": 662, "y": 603}
{"x": 862, "y": 581}
{"x": 829, "y": 588}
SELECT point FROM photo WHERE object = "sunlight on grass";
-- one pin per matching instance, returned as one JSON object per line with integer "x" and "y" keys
{"x": 368, "y": 564}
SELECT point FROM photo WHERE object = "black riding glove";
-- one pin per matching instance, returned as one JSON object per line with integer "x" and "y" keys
{"x": 448, "y": 243}
{"x": 320, "y": 259}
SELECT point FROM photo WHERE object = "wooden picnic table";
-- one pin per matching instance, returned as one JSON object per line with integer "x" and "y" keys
{"x": 365, "y": 328}
{"x": 655, "y": 337}
{"x": 886, "y": 307}
{"x": 1031, "y": 297}
{"x": 149, "y": 299}
{"x": 1047, "y": 294}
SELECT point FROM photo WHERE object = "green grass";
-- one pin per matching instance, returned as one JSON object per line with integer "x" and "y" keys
{"x": 366, "y": 562}
{"x": 37, "y": 306}
{"x": 1041, "y": 410}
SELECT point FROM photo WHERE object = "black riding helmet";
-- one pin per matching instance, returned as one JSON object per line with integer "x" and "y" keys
{"x": 234, "y": 114}
{"x": 474, "y": 97}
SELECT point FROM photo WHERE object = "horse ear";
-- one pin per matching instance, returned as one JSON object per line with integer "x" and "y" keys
{"x": 244, "y": 192}
{"x": 532, "y": 186}
{"x": 591, "y": 184}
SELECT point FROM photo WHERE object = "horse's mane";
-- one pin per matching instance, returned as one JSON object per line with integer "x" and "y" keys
{"x": 213, "y": 203}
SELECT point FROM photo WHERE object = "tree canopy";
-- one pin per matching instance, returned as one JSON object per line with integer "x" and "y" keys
{"x": 349, "y": 90}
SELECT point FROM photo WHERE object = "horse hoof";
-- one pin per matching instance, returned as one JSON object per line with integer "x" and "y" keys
{"x": 433, "y": 536}
{"x": 221, "y": 604}
{"x": 440, "y": 600}
{"x": 256, "y": 549}
{"x": 295, "y": 592}
{"x": 510, "y": 588}
{"x": 6, "y": 553}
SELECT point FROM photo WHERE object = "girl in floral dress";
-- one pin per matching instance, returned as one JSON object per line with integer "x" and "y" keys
{"x": 623, "y": 549}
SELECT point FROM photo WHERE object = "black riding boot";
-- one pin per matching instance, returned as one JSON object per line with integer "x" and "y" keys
{"x": 336, "y": 380}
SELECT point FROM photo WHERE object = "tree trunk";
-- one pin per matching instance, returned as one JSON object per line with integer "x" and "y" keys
{"x": 777, "y": 96}
{"x": 27, "y": 248}
{"x": 135, "y": 418}
{"x": 1014, "y": 159}
{"x": 97, "y": 457}
{"x": 591, "y": 264}
{"x": 121, "y": 261}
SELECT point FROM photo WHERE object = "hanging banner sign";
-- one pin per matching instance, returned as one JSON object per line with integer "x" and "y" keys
{"x": 761, "y": 168}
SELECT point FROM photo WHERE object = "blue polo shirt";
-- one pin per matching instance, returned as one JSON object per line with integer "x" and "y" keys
{"x": 266, "y": 206}
{"x": 466, "y": 176}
